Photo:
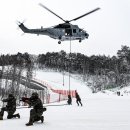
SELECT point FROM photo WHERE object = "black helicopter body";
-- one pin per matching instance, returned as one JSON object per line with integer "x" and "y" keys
{"x": 62, "y": 32}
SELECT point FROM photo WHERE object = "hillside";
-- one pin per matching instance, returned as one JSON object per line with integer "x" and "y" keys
{"x": 100, "y": 111}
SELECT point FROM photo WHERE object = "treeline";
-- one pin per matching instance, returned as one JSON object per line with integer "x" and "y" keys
{"x": 100, "y": 72}
{"x": 14, "y": 66}
{"x": 18, "y": 59}
{"x": 82, "y": 64}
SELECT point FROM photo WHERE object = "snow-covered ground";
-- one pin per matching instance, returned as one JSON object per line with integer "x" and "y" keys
{"x": 100, "y": 111}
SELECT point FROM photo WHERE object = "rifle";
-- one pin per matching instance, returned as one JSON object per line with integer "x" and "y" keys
{"x": 24, "y": 99}
{"x": 27, "y": 100}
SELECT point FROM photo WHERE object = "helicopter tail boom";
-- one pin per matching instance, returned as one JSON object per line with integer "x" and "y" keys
{"x": 23, "y": 28}
{"x": 33, "y": 31}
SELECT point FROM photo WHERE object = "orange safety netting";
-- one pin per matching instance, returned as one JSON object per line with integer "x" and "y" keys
{"x": 64, "y": 92}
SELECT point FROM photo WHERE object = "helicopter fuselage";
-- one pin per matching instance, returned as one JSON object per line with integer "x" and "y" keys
{"x": 62, "y": 32}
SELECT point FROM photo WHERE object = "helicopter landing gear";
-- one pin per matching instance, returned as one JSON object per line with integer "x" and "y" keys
{"x": 80, "y": 40}
{"x": 59, "y": 42}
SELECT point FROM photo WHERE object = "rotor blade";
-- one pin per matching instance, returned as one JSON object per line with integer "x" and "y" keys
{"x": 51, "y": 11}
{"x": 18, "y": 22}
{"x": 84, "y": 14}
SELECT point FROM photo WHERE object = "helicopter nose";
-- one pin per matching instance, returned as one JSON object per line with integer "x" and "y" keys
{"x": 86, "y": 35}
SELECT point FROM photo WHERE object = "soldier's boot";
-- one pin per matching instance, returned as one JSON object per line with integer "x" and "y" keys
{"x": 1, "y": 114}
{"x": 17, "y": 115}
{"x": 1, "y": 118}
{"x": 10, "y": 116}
{"x": 30, "y": 123}
{"x": 42, "y": 119}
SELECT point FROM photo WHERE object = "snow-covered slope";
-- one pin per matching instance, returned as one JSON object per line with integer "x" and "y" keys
{"x": 101, "y": 111}
{"x": 55, "y": 79}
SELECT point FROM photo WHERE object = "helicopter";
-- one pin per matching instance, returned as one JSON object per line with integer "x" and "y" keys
{"x": 63, "y": 32}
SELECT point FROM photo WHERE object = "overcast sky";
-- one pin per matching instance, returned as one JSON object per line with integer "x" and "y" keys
{"x": 108, "y": 28}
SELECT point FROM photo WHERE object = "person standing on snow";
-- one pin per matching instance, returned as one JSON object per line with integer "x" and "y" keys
{"x": 78, "y": 99}
{"x": 10, "y": 108}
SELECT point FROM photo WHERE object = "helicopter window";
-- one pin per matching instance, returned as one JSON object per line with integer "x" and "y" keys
{"x": 68, "y": 31}
{"x": 80, "y": 30}
{"x": 74, "y": 30}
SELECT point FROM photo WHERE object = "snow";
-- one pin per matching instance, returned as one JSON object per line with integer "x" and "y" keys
{"x": 100, "y": 111}
{"x": 55, "y": 80}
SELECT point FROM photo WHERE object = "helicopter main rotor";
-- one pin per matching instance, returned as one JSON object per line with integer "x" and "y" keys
{"x": 68, "y": 21}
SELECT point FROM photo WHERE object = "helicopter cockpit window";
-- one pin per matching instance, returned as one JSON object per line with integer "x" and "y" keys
{"x": 80, "y": 30}
{"x": 74, "y": 30}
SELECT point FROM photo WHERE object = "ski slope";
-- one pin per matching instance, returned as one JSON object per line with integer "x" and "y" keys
{"x": 55, "y": 80}
{"x": 101, "y": 111}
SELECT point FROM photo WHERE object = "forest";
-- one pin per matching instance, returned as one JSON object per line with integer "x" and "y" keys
{"x": 98, "y": 72}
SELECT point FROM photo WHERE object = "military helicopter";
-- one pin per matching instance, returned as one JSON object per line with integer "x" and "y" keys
{"x": 63, "y": 32}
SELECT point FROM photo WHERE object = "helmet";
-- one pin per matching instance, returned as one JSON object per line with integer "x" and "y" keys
{"x": 35, "y": 95}
{"x": 11, "y": 95}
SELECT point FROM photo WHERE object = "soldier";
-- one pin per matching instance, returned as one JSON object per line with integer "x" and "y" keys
{"x": 10, "y": 107}
{"x": 69, "y": 100}
{"x": 78, "y": 99}
{"x": 37, "y": 111}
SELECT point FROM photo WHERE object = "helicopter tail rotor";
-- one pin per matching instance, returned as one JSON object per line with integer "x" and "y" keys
{"x": 22, "y": 26}
{"x": 18, "y": 22}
